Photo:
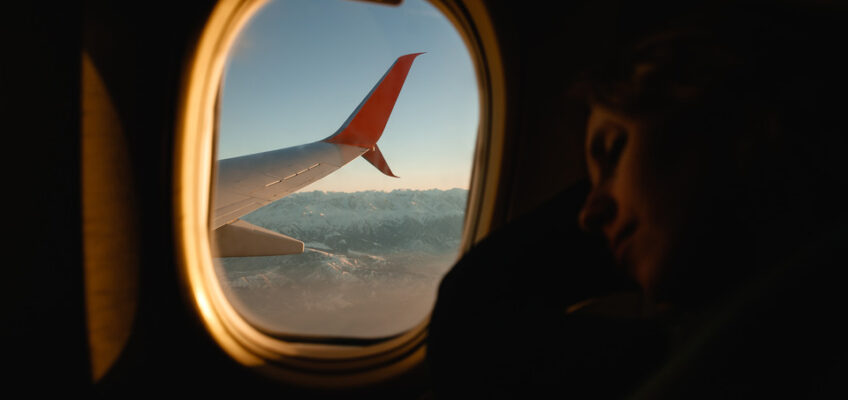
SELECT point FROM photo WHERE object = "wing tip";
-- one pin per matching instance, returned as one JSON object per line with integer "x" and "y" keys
{"x": 365, "y": 125}
{"x": 375, "y": 157}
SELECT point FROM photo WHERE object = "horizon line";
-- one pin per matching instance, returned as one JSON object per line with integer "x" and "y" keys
{"x": 378, "y": 190}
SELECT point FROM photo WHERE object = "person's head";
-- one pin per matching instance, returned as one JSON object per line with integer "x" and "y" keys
{"x": 699, "y": 147}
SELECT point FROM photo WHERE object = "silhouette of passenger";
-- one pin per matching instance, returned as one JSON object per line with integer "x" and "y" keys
{"x": 707, "y": 154}
{"x": 715, "y": 147}
{"x": 716, "y": 156}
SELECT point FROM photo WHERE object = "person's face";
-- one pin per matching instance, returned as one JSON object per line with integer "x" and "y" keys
{"x": 648, "y": 197}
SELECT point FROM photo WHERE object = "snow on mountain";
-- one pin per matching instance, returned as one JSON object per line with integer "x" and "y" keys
{"x": 371, "y": 268}
{"x": 400, "y": 220}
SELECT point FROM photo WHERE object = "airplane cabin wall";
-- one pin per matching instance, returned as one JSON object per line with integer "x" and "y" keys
{"x": 140, "y": 50}
{"x": 43, "y": 309}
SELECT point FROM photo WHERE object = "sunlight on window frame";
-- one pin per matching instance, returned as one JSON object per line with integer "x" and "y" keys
{"x": 298, "y": 362}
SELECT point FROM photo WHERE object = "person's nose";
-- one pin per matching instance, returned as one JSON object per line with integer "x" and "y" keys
{"x": 598, "y": 210}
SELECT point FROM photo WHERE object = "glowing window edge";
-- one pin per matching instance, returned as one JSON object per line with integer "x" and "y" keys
{"x": 193, "y": 163}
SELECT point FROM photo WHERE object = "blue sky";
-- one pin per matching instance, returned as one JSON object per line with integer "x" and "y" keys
{"x": 300, "y": 68}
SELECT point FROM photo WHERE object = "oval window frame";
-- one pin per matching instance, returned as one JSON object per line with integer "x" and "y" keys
{"x": 324, "y": 363}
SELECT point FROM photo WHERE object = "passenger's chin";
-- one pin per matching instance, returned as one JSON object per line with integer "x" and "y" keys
{"x": 651, "y": 272}
{"x": 644, "y": 272}
{"x": 649, "y": 266}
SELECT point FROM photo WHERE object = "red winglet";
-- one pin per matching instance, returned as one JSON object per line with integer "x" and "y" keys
{"x": 375, "y": 157}
{"x": 365, "y": 126}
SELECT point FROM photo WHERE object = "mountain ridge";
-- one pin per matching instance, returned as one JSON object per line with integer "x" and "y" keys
{"x": 400, "y": 220}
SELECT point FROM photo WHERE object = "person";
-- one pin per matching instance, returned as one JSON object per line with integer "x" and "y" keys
{"x": 716, "y": 155}
{"x": 708, "y": 150}
{"x": 715, "y": 152}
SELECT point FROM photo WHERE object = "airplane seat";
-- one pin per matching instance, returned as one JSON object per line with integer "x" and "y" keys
{"x": 501, "y": 328}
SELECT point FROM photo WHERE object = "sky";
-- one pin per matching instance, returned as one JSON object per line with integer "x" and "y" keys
{"x": 301, "y": 67}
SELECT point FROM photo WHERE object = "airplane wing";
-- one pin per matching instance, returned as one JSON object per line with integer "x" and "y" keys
{"x": 253, "y": 181}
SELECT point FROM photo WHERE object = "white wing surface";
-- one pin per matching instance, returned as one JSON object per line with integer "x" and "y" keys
{"x": 253, "y": 181}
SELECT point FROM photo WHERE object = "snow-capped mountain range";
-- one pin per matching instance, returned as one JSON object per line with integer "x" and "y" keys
{"x": 383, "y": 222}
{"x": 371, "y": 268}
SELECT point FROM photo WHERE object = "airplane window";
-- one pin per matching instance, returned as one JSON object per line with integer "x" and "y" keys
{"x": 344, "y": 161}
